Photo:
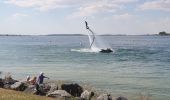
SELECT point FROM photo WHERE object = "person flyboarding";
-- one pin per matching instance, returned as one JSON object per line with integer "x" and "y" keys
{"x": 87, "y": 27}
{"x": 108, "y": 50}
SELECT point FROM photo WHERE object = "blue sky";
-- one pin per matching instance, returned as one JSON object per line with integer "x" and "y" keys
{"x": 133, "y": 17}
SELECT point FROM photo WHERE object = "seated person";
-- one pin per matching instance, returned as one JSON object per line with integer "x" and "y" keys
{"x": 33, "y": 80}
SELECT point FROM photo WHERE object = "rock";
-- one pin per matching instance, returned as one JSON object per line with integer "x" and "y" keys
{"x": 19, "y": 86}
{"x": 109, "y": 97}
{"x": 86, "y": 95}
{"x": 121, "y": 98}
{"x": 31, "y": 89}
{"x": 9, "y": 81}
{"x": 40, "y": 89}
{"x": 16, "y": 85}
{"x": 53, "y": 88}
{"x": 59, "y": 94}
{"x": 74, "y": 89}
{"x": 1, "y": 83}
{"x": 7, "y": 86}
{"x": 43, "y": 89}
{"x": 104, "y": 97}
{"x": 46, "y": 88}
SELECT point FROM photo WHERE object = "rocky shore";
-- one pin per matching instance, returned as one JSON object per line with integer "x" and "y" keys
{"x": 62, "y": 90}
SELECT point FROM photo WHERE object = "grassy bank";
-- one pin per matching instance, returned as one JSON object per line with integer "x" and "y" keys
{"x": 16, "y": 95}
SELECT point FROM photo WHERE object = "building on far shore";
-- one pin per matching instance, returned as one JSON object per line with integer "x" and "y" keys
{"x": 164, "y": 33}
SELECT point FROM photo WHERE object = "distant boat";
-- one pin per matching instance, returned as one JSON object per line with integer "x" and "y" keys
{"x": 103, "y": 50}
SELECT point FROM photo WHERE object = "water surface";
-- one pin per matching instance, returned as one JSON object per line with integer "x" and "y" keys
{"x": 139, "y": 64}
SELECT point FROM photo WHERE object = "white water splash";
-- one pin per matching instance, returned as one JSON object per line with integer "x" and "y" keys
{"x": 98, "y": 43}
{"x": 86, "y": 50}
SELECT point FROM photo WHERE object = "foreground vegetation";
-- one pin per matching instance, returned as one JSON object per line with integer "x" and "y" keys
{"x": 16, "y": 95}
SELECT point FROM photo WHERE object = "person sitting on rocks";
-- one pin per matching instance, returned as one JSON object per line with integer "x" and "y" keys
{"x": 28, "y": 78}
{"x": 32, "y": 81}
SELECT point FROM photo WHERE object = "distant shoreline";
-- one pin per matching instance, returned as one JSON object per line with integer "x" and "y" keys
{"x": 82, "y": 35}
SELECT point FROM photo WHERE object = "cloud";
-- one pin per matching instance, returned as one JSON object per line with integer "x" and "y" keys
{"x": 125, "y": 16}
{"x": 18, "y": 15}
{"x": 124, "y": 1}
{"x": 163, "y": 5}
{"x": 100, "y": 6}
{"x": 42, "y": 5}
{"x": 94, "y": 8}
{"x": 81, "y": 7}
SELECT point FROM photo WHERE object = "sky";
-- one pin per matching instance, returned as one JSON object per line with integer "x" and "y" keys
{"x": 40, "y": 17}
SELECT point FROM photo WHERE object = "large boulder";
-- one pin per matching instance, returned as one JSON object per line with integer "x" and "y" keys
{"x": 47, "y": 88}
{"x": 104, "y": 97}
{"x": 59, "y": 94}
{"x": 31, "y": 89}
{"x": 74, "y": 89}
{"x": 7, "y": 86}
{"x": 1, "y": 83}
{"x": 19, "y": 86}
{"x": 10, "y": 81}
{"x": 86, "y": 95}
{"x": 121, "y": 98}
{"x": 37, "y": 89}
{"x": 53, "y": 88}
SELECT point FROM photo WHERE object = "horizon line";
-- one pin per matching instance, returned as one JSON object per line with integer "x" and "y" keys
{"x": 74, "y": 34}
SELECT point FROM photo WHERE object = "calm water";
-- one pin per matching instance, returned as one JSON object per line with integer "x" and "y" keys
{"x": 140, "y": 65}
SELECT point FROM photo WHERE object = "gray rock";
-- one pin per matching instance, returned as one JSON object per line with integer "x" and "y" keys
{"x": 16, "y": 85}
{"x": 1, "y": 83}
{"x": 10, "y": 81}
{"x": 53, "y": 88}
{"x": 59, "y": 94}
{"x": 74, "y": 89}
{"x": 86, "y": 95}
{"x": 42, "y": 89}
{"x": 104, "y": 97}
{"x": 31, "y": 89}
{"x": 46, "y": 88}
{"x": 19, "y": 86}
{"x": 7, "y": 86}
{"x": 121, "y": 98}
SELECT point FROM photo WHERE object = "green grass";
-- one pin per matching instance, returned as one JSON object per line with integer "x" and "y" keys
{"x": 16, "y": 95}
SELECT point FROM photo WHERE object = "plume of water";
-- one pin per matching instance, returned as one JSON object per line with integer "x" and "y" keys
{"x": 98, "y": 42}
